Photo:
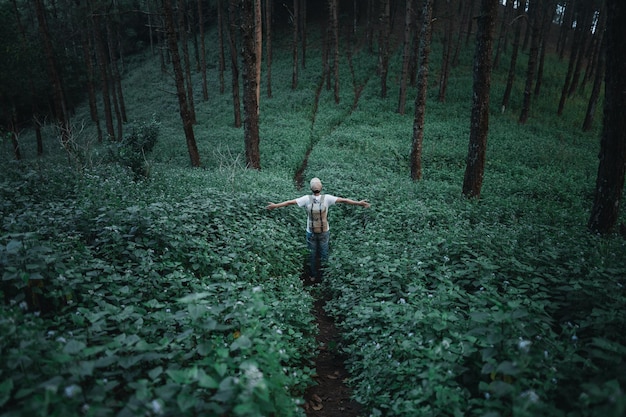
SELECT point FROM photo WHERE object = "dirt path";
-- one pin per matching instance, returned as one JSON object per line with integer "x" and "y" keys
{"x": 331, "y": 397}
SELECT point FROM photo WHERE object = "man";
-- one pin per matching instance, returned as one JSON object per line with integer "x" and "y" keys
{"x": 317, "y": 229}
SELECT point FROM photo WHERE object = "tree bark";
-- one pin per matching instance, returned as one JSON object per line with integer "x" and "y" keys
{"x": 53, "y": 73}
{"x": 250, "y": 98}
{"x": 406, "y": 55}
{"x": 422, "y": 90}
{"x": 294, "y": 46}
{"x": 184, "y": 41}
{"x": 531, "y": 70}
{"x": 179, "y": 75}
{"x": 205, "y": 87}
{"x": 220, "y": 36}
{"x": 475, "y": 168}
{"x": 234, "y": 65}
{"x": 268, "y": 45}
{"x": 383, "y": 46}
{"x": 104, "y": 73}
{"x": 446, "y": 51}
{"x": 612, "y": 166}
{"x": 334, "y": 27}
{"x": 516, "y": 43}
{"x": 600, "y": 66}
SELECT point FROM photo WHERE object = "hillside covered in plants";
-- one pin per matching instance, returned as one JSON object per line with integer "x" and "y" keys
{"x": 135, "y": 285}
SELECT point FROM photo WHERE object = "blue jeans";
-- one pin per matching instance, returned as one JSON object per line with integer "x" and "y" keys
{"x": 317, "y": 243}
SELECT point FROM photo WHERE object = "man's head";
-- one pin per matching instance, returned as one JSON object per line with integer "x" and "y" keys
{"x": 316, "y": 185}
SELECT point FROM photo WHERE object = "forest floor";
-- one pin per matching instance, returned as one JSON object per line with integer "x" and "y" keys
{"x": 330, "y": 397}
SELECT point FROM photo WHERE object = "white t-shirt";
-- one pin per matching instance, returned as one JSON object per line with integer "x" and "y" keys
{"x": 329, "y": 200}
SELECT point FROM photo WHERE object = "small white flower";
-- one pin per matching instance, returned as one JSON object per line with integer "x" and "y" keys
{"x": 524, "y": 345}
{"x": 530, "y": 395}
{"x": 71, "y": 390}
{"x": 61, "y": 339}
{"x": 402, "y": 301}
{"x": 156, "y": 406}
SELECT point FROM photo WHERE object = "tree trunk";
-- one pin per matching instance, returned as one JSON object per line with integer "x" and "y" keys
{"x": 585, "y": 30}
{"x": 258, "y": 50}
{"x": 268, "y": 45}
{"x": 205, "y": 87}
{"x": 566, "y": 27}
{"x": 334, "y": 26}
{"x": 294, "y": 46}
{"x": 504, "y": 31}
{"x": 179, "y": 75}
{"x": 406, "y": 55}
{"x": 53, "y": 73}
{"x": 104, "y": 74}
{"x": 250, "y": 103}
{"x": 446, "y": 51}
{"x": 546, "y": 23}
{"x": 422, "y": 91}
{"x": 115, "y": 96}
{"x": 610, "y": 180}
{"x": 383, "y": 46}
{"x": 531, "y": 71}
{"x": 220, "y": 31}
{"x": 184, "y": 41}
{"x": 516, "y": 43}
{"x": 303, "y": 30}
{"x": 595, "y": 91}
{"x": 600, "y": 65}
{"x": 475, "y": 169}
{"x": 576, "y": 50}
{"x": 234, "y": 65}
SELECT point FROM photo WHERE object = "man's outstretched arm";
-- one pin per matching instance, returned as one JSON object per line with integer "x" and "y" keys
{"x": 362, "y": 203}
{"x": 272, "y": 206}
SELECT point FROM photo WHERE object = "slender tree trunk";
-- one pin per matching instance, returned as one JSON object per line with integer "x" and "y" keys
{"x": 548, "y": 16}
{"x": 294, "y": 46}
{"x": 585, "y": 32}
{"x": 258, "y": 50}
{"x": 383, "y": 46}
{"x": 566, "y": 27}
{"x": 334, "y": 24}
{"x": 422, "y": 91}
{"x": 268, "y": 45}
{"x": 234, "y": 65}
{"x": 115, "y": 89}
{"x": 531, "y": 71}
{"x": 512, "y": 66}
{"x": 205, "y": 87}
{"x": 53, "y": 73}
{"x": 475, "y": 168}
{"x": 104, "y": 74}
{"x": 184, "y": 41}
{"x": 250, "y": 103}
{"x": 504, "y": 30}
{"x": 406, "y": 55}
{"x": 220, "y": 32}
{"x": 595, "y": 91}
{"x": 303, "y": 30}
{"x": 446, "y": 51}
{"x": 179, "y": 75}
{"x": 470, "y": 21}
{"x": 31, "y": 87}
{"x": 612, "y": 166}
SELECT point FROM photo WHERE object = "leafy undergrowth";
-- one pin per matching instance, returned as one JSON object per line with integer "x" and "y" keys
{"x": 179, "y": 295}
{"x": 149, "y": 302}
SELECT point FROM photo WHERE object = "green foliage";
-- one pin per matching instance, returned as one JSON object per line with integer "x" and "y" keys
{"x": 131, "y": 151}
{"x": 180, "y": 295}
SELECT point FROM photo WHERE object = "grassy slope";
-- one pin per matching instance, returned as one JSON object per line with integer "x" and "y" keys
{"x": 423, "y": 267}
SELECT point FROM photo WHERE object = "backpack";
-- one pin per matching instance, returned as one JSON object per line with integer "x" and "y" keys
{"x": 317, "y": 214}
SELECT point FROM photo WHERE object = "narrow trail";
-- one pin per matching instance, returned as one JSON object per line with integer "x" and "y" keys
{"x": 331, "y": 396}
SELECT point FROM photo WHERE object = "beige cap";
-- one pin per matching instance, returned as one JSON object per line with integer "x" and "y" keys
{"x": 315, "y": 182}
